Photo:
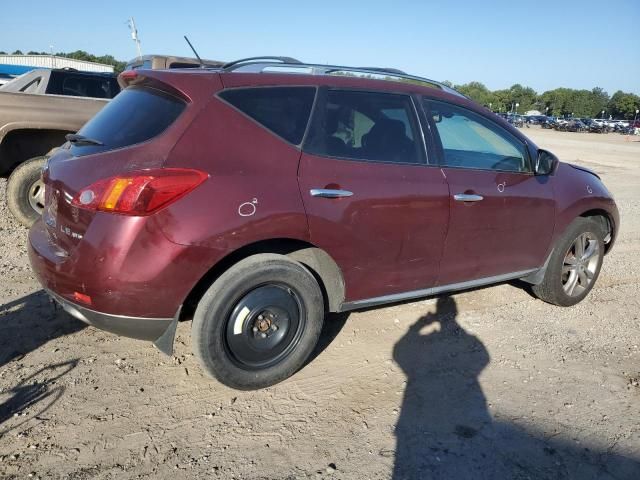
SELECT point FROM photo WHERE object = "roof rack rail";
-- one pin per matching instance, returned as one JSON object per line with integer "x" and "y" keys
{"x": 291, "y": 65}
{"x": 266, "y": 57}
{"x": 385, "y": 70}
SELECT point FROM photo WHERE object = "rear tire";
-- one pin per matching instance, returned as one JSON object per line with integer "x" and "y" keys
{"x": 574, "y": 265}
{"x": 25, "y": 191}
{"x": 258, "y": 322}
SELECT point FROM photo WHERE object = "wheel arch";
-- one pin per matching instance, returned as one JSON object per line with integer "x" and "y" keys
{"x": 317, "y": 261}
{"x": 605, "y": 219}
{"x": 22, "y": 143}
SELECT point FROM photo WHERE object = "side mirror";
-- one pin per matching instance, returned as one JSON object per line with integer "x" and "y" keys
{"x": 546, "y": 163}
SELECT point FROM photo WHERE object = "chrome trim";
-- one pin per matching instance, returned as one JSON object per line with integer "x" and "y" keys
{"x": 427, "y": 292}
{"x": 329, "y": 193}
{"x": 465, "y": 197}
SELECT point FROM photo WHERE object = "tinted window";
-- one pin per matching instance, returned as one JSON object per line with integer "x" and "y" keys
{"x": 134, "y": 116}
{"x": 471, "y": 141}
{"x": 87, "y": 87}
{"x": 283, "y": 110}
{"x": 365, "y": 126}
{"x": 74, "y": 85}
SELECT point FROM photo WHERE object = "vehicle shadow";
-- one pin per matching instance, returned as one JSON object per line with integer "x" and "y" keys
{"x": 332, "y": 326}
{"x": 29, "y": 322}
{"x": 445, "y": 429}
{"x": 35, "y": 393}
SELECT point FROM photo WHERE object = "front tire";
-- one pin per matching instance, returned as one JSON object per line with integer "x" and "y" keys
{"x": 574, "y": 265}
{"x": 258, "y": 322}
{"x": 25, "y": 191}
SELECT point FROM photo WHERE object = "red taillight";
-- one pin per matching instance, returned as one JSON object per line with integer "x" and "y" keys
{"x": 140, "y": 193}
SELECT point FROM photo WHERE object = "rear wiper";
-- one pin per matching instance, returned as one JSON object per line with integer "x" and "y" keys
{"x": 77, "y": 139}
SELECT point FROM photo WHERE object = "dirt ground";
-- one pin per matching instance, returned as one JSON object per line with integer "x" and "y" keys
{"x": 489, "y": 383}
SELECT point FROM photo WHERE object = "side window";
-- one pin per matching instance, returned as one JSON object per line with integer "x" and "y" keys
{"x": 365, "y": 126}
{"x": 283, "y": 110}
{"x": 471, "y": 141}
{"x": 76, "y": 86}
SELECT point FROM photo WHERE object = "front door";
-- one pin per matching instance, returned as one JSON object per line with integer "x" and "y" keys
{"x": 372, "y": 200}
{"x": 502, "y": 215}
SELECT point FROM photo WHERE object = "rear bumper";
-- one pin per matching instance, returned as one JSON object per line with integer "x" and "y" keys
{"x": 124, "y": 265}
{"x": 135, "y": 327}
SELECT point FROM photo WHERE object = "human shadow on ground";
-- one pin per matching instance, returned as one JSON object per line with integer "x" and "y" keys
{"x": 29, "y": 322}
{"x": 445, "y": 430}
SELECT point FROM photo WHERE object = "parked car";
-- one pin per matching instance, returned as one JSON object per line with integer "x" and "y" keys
{"x": 160, "y": 62}
{"x": 535, "y": 119}
{"x": 575, "y": 125}
{"x": 549, "y": 123}
{"x": 561, "y": 124}
{"x": 515, "y": 120}
{"x": 255, "y": 202}
{"x": 37, "y": 110}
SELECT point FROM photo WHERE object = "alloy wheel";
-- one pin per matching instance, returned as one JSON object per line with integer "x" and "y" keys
{"x": 580, "y": 264}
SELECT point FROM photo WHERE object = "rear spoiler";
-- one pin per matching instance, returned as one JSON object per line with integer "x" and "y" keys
{"x": 190, "y": 85}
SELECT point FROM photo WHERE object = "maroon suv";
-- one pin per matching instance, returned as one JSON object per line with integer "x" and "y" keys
{"x": 257, "y": 197}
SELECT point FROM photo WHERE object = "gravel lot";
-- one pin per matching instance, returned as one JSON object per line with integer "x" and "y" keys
{"x": 489, "y": 383}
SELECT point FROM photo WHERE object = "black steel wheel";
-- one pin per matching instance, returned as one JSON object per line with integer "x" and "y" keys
{"x": 258, "y": 322}
{"x": 265, "y": 326}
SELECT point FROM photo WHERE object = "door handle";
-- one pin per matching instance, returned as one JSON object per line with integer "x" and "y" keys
{"x": 329, "y": 193}
{"x": 466, "y": 197}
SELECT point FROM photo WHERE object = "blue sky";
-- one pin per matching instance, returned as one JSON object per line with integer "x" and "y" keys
{"x": 540, "y": 43}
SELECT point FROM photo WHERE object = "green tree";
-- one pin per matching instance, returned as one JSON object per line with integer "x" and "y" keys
{"x": 476, "y": 91}
{"x": 599, "y": 99}
{"x": 623, "y": 105}
{"x": 526, "y": 97}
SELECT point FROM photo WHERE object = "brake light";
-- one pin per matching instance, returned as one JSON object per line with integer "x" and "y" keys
{"x": 140, "y": 193}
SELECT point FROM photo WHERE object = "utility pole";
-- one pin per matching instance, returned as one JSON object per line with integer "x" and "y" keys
{"x": 134, "y": 35}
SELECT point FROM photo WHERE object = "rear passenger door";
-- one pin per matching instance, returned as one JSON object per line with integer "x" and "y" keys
{"x": 373, "y": 200}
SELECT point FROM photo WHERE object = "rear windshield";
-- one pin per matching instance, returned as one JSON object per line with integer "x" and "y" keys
{"x": 134, "y": 116}
{"x": 82, "y": 85}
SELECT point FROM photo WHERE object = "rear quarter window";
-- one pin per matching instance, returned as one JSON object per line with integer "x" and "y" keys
{"x": 136, "y": 115}
{"x": 283, "y": 110}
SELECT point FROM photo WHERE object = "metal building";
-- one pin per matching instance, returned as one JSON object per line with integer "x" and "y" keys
{"x": 19, "y": 64}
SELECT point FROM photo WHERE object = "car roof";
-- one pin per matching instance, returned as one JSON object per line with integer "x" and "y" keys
{"x": 291, "y": 66}
{"x": 285, "y": 71}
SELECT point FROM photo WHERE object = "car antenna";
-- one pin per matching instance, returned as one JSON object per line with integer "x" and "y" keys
{"x": 194, "y": 51}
